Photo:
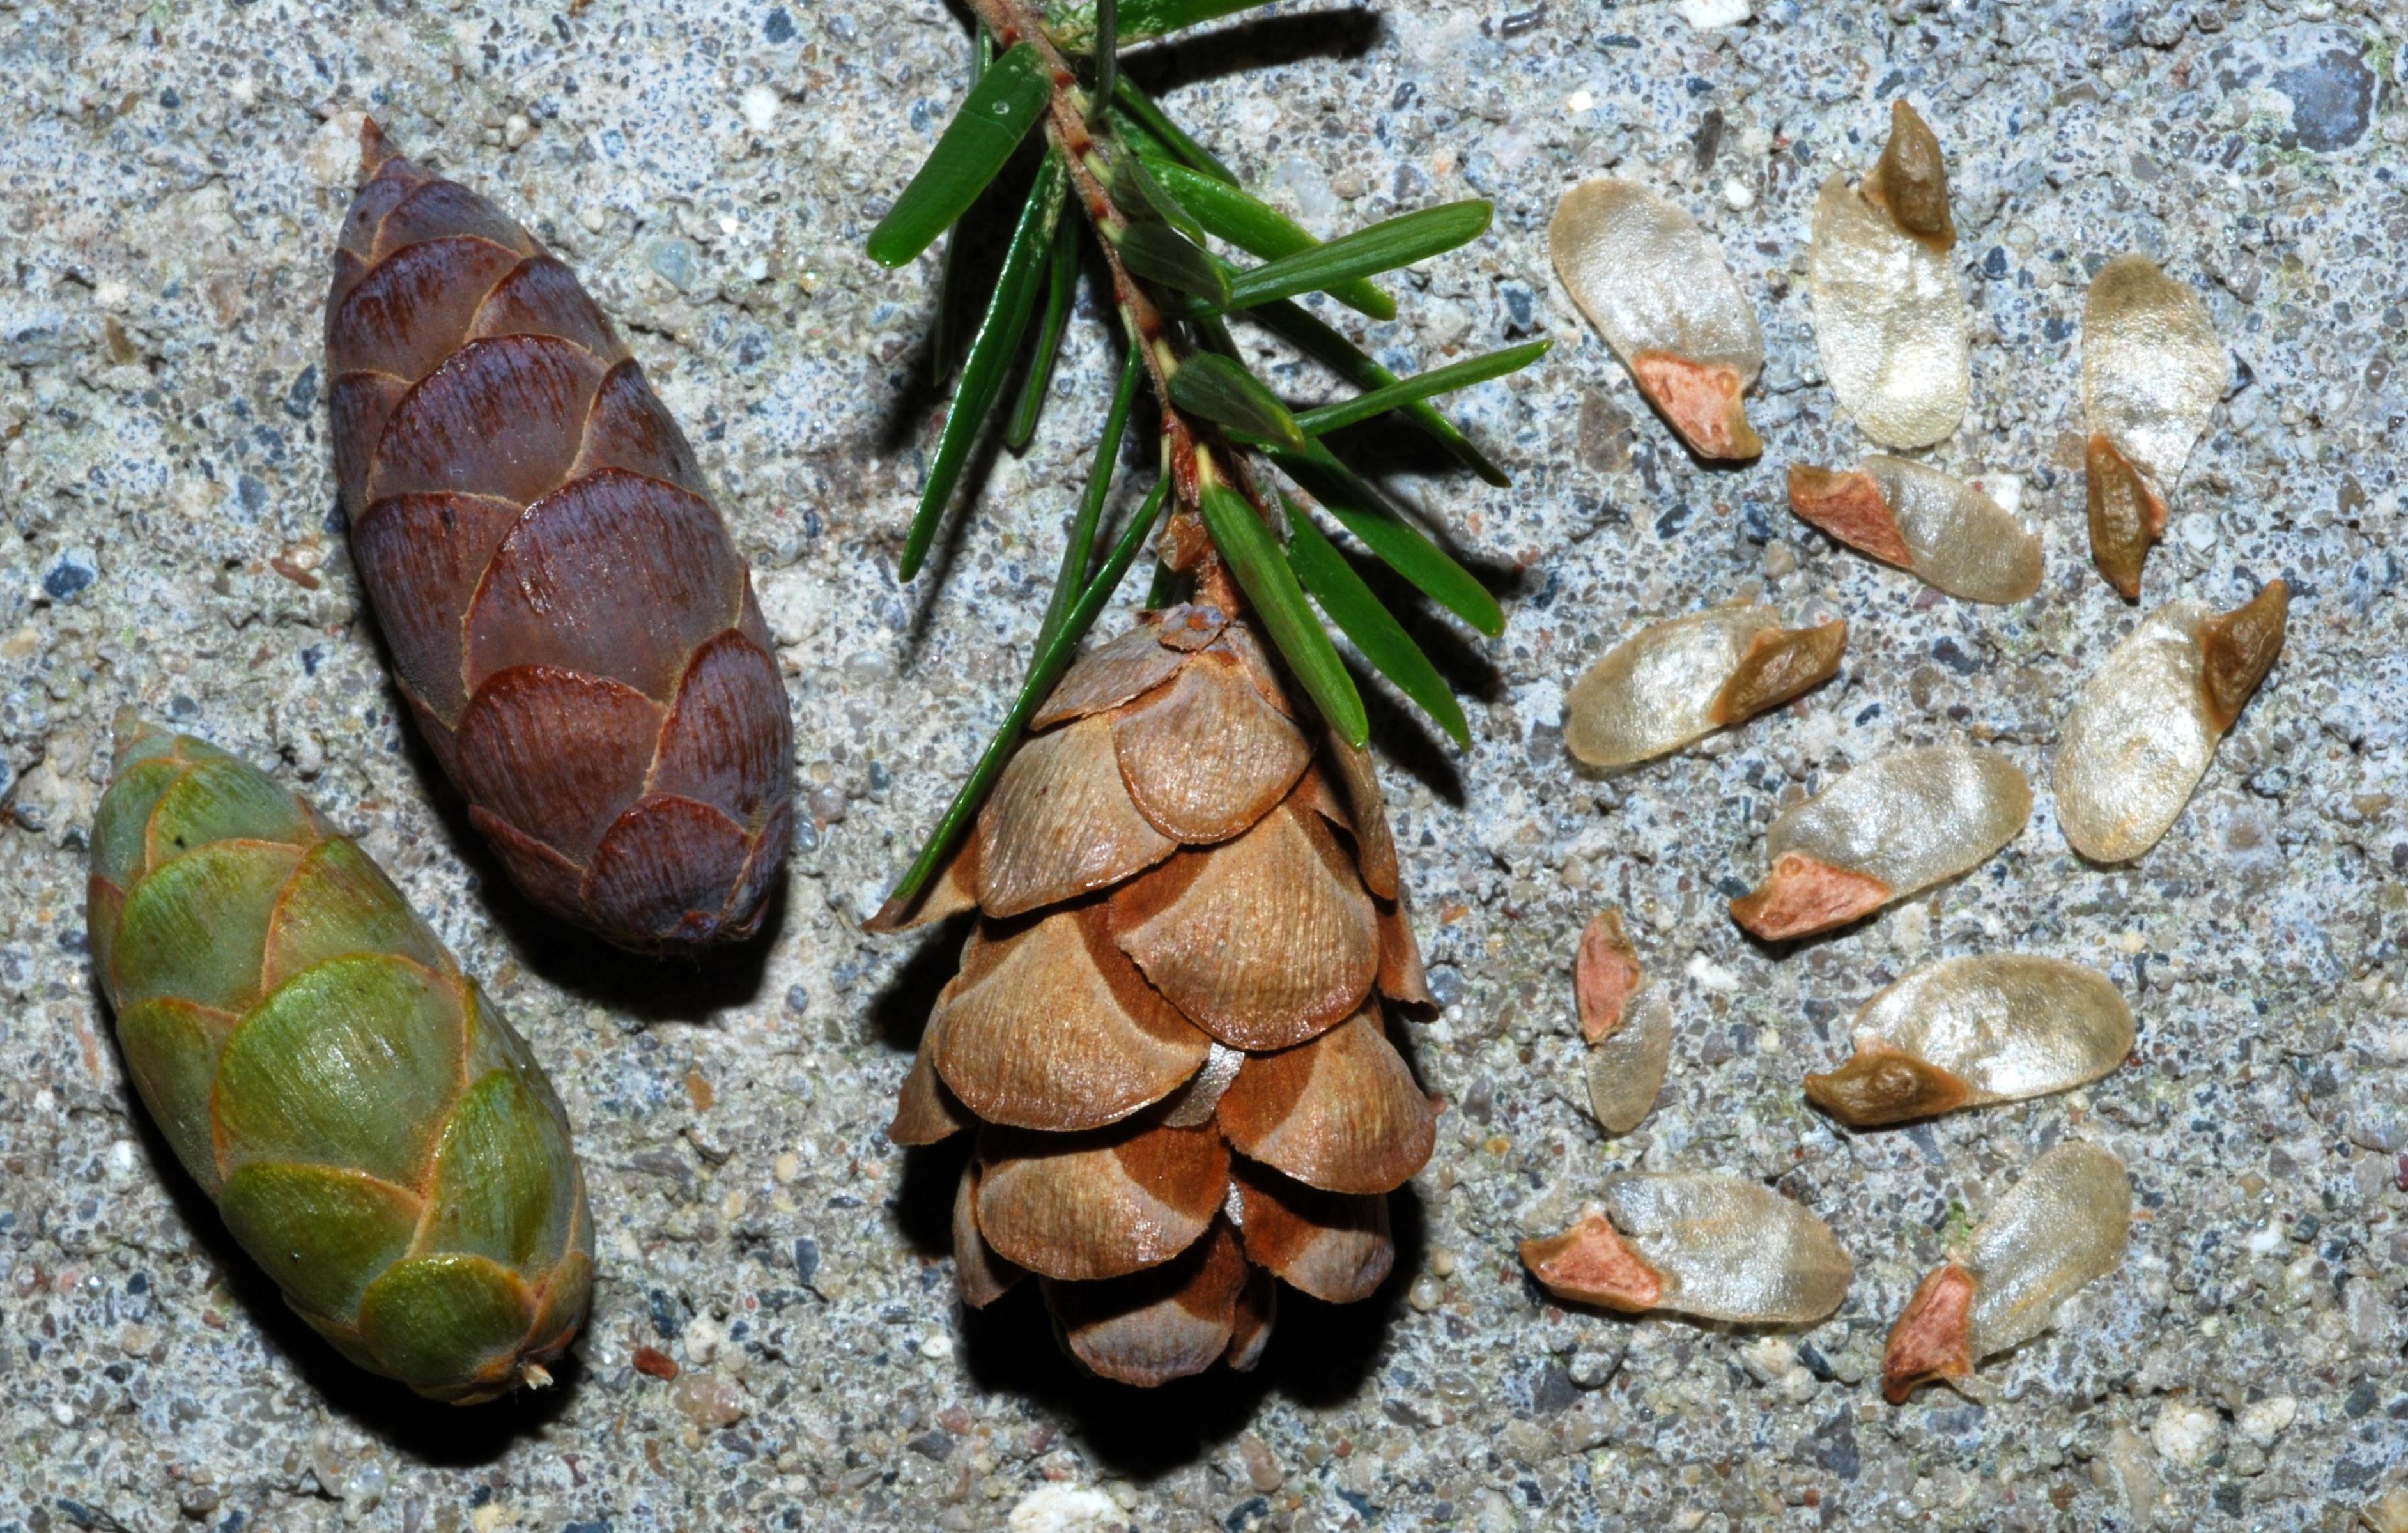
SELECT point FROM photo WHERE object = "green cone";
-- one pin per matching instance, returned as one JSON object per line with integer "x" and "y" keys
{"x": 374, "y": 1133}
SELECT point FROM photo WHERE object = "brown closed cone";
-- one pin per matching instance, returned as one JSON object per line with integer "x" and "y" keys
{"x": 1171, "y": 1020}
{"x": 573, "y": 630}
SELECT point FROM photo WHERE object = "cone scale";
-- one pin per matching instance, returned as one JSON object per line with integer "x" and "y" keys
{"x": 1168, "y": 1032}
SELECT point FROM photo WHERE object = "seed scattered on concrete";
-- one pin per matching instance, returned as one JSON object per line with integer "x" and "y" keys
{"x": 1968, "y": 1032}
{"x": 1935, "y": 524}
{"x": 2063, "y": 1227}
{"x": 1708, "y": 1244}
{"x": 2147, "y": 722}
{"x": 1660, "y": 292}
{"x": 1901, "y": 823}
{"x": 1675, "y": 682}
{"x": 2152, "y": 372}
{"x": 1889, "y": 313}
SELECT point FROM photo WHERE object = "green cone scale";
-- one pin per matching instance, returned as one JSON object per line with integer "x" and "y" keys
{"x": 374, "y": 1133}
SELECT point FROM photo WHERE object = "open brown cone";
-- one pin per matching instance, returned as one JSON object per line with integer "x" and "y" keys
{"x": 1169, "y": 1025}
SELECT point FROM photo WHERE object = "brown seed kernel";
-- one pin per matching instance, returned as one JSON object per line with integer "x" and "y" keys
{"x": 1934, "y": 1339}
{"x": 2127, "y": 515}
{"x": 1591, "y": 1264}
{"x": 655, "y": 1363}
{"x": 2237, "y": 648}
{"x": 1605, "y": 975}
{"x": 1778, "y": 666}
{"x": 1884, "y": 1086}
{"x": 1701, "y": 400}
{"x": 1910, "y": 183}
{"x": 1851, "y": 508}
{"x": 1803, "y": 895}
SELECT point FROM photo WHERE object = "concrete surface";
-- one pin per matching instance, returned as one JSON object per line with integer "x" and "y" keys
{"x": 172, "y": 177}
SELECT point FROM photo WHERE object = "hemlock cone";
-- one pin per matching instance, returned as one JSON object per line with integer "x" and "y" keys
{"x": 575, "y": 632}
{"x": 375, "y": 1134}
{"x": 1168, "y": 1027}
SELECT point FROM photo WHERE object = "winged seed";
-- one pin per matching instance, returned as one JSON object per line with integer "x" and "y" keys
{"x": 1889, "y": 314}
{"x": 1660, "y": 292}
{"x": 1671, "y": 683}
{"x": 2146, "y": 724}
{"x": 1967, "y": 1032}
{"x": 1901, "y": 823}
{"x": 2062, "y": 1228}
{"x": 1935, "y": 524}
{"x": 1708, "y": 1244}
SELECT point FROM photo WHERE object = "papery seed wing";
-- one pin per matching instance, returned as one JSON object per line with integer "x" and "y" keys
{"x": 1660, "y": 293}
{"x": 2007, "y": 1024}
{"x": 1957, "y": 538}
{"x": 2137, "y": 741}
{"x": 1889, "y": 321}
{"x": 1655, "y": 691}
{"x": 1624, "y": 1071}
{"x": 2063, "y": 1227}
{"x": 2152, "y": 367}
{"x": 1729, "y": 1249}
{"x": 1912, "y": 818}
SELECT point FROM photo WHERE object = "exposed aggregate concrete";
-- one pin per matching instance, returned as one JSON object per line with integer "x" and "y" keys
{"x": 170, "y": 181}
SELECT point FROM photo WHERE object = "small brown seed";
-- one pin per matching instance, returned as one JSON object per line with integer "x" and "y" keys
{"x": 2127, "y": 515}
{"x": 1883, "y": 1085}
{"x": 2237, "y": 648}
{"x": 1592, "y": 1264}
{"x": 1849, "y": 507}
{"x": 1779, "y": 665}
{"x": 1932, "y": 1339}
{"x": 1910, "y": 183}
{"x": 1605, "y": 975}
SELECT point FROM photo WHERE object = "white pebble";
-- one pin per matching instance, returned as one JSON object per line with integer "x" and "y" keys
{"x": 760, "y": 105}
{"x": 1738, "y": 195}
{"x": 2186, "y": 1433}
{"x": 1063, "y": 1508}
{"x": 1707, "y": 15}
{"x": 936, "y": 1347}
{"x": 1710, "y": 975}
{"x": 2263, "y": 1421}
{"x": 333, "y": 157}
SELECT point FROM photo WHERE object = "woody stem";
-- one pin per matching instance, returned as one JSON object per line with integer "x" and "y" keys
{"x": 1157, "y": 340}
